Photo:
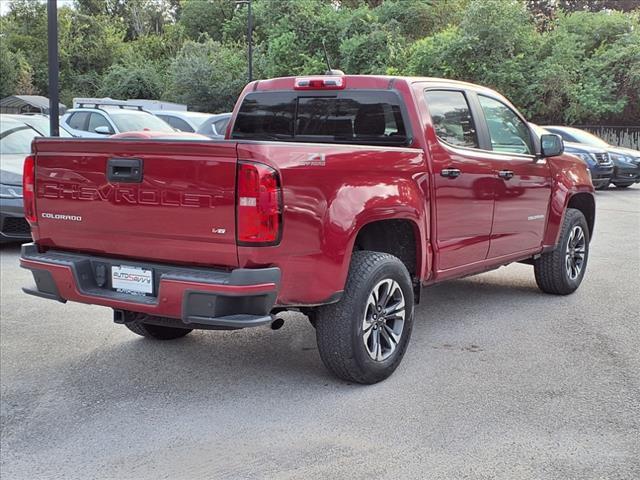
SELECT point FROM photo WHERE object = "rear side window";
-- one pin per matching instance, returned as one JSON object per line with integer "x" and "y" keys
{"x": 452, "y": 118}
{"x": 365, "y": 118}
{"x": 78, "y": 120}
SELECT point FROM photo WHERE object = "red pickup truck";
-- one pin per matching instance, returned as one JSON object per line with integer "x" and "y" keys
{"x": 337, "y": 196}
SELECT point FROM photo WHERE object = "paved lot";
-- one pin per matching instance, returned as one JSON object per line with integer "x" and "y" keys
{"x": 500, "y": 381}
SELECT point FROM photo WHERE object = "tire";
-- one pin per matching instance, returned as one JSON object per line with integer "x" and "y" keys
{"x": 623, "y": 185}
{"x": 157, "y": 332}
{"x": 561, "y": 271}
{"x": 604, "y": 186}
{"x": 347, "y": 331}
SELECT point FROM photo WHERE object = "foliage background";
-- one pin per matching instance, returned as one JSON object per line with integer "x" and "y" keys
{"x": 559, "y": 61}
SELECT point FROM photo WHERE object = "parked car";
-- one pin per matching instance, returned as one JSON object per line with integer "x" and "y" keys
{"x": 104, "y": 121}
{"x": 596, "y": 158}
{"x": 183, "y": 121}
{"x": 39, "y": 122}
{"x": 215, "y": 126}
{"x": 336, "y": 196}
{"x": 626, "y": 162}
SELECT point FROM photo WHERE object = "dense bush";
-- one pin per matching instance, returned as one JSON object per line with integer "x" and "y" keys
{"x": 559, "y": 61}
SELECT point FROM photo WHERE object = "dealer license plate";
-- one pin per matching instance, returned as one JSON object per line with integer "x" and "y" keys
{"x": 134, "y": 280}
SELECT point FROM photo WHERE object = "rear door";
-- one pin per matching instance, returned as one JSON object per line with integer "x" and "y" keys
{"x": 178, "y": 208}
{"x": 463, "y": 181}
{"x": 523, "y": 184}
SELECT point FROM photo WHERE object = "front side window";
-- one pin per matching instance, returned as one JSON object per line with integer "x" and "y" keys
{"x": 452, "y": 118}
{"x": 361, "y": 118}
{"x": 509, "y": 134}
{"x": 97, "y": 120}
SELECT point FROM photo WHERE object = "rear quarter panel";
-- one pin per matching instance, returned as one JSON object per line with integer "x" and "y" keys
{"x": 329, "y": 193}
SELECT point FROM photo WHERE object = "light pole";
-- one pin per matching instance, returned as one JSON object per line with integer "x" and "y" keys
{"x": 52, "y": 40}
{"x": 249, "y": 35}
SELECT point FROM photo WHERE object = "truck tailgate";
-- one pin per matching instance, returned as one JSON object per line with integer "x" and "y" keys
{"x": 180, "y": 210}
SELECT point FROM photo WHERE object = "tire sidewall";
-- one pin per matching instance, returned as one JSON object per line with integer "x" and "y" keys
{"x": 388, "y": 269}
{"x": 576, "y": 220}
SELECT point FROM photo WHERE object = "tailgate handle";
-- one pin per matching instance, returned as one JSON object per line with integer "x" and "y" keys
{"x": 124, "y": 170}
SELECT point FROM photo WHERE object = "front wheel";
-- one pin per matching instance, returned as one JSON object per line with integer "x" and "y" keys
{"x": 623, "y": 185}
{"x": 363, "y": 337}
{"x": 561, "y": 271}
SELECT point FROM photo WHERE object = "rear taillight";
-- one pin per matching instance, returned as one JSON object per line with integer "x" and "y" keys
{"x": 29, "y": 189}
{"x": 259, "y": 204}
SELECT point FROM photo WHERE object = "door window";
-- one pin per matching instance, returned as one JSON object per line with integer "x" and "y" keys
{"x": 97, "y": 120}
{"x": 509, "y": 134}
{"x": 452, "y": 118}
{"x": 177, "y": 123}
{"x": 78, "y": 120}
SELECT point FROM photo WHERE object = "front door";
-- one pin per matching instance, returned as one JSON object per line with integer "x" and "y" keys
{"x": 463, "y": 183}
{"x": 523, "y": 184}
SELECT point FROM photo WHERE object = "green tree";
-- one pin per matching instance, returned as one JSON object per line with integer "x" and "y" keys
{"x": 131, "y": 81}
{"x": 208, "y": 76}
{"x": 206, "y": 17}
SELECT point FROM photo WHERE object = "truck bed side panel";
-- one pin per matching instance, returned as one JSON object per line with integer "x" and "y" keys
{"x": 329, "y": 193}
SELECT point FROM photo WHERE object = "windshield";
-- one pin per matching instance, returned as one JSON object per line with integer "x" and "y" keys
{"x": 17, "y": 140}
{"x": 585, "y": 137}
{"x": 196, "y": 118}
{"x": 41, "y": 124}
{"x": 539, "y": 130}
{"x": 128, "y": 121}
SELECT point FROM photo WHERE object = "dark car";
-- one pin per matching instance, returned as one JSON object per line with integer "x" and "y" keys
{"x": 16, "y": 134}
{"x": 15, "y": 145}
{"x": 596, "y": 158}
{"x": 626, "y": 162}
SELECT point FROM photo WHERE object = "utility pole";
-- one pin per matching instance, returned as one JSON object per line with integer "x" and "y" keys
{"x": 52, "y": 40}
{"x": 249, "y": 35}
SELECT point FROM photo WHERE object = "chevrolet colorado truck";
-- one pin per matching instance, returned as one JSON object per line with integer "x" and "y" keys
{"x": 336, "y": 196}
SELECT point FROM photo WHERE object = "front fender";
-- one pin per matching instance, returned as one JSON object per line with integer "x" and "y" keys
{"x": 570, "y": 177}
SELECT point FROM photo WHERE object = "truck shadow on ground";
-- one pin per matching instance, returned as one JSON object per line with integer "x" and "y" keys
{"x": 223, "y": 364}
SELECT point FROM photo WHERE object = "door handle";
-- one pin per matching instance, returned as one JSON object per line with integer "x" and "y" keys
{"x": 124, "y": 170}
{"x": 506, "y": 174}
{"x": 450, "y": 172}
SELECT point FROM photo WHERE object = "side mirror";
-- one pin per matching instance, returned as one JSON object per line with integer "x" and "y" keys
{"x": 551, "y": 145}
{"x": 103, "y": 130}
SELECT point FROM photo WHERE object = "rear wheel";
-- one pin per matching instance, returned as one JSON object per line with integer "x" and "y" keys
{"x": 561, "y": 271}
{"x": 363, "y": 337}
{"x": 157, "y": 332}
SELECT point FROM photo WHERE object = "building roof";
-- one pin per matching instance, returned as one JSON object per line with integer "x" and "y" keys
{"x": 27, "y": 103}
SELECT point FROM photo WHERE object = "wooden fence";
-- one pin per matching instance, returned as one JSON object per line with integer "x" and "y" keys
{"x": 622, "y": 136}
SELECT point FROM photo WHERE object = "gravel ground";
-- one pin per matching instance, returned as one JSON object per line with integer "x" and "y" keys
{"x": 500, "y": 382}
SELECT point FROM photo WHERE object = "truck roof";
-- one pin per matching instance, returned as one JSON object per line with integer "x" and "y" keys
{"x": 359, "y": 82}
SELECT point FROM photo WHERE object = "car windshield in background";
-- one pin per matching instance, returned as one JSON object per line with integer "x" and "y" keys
{"x": 17, "y": 140}
{"x": 41, "y": 124}
{"x": 365, "y": 118}
{"x": 132, "y": 121}
{"x": 585, "y": 137}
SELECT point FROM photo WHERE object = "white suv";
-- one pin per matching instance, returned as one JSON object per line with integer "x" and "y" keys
{"x": 98, "y": 122}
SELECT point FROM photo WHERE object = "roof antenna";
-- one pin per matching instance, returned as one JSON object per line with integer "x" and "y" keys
{"x": 329, "y": 71}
